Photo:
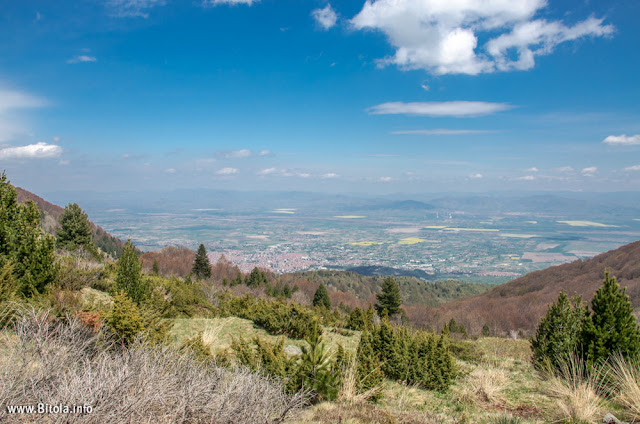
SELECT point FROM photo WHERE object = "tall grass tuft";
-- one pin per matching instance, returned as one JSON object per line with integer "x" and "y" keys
{"x": 578, "y": 390}
{"x": 54, "y": 362}
{"x": 625, "y": 376}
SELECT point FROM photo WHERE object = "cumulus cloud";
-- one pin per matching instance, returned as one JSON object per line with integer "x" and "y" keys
{"x": 623, "y": 140}
{"x": 170, "y": 170}
{"x": 532, "y": 169}
{"x": 268, "y": 171}
{"x": 441, "y": 131}
{"x": 456, "y": 109}
{"x": 442, "y": 37}
{"x": 385, "y": 179}
{"x": 565, "y": 169}
{"x": 132, "y": 8}
{"x": 475, "y": 176}
{"x": 632, "y": 168}
{"x": 213, "y": 3}
{"x": 31, "y": 151}
{"x": 82, "y": 59}
{"x": 330, "y": 175}
{"x": 589, "y": 172}
{"x": 526, "y": 178}
{"x": 227, "y": 171}
{"x": 326, "y": 17}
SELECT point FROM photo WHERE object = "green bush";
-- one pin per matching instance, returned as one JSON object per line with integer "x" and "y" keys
{"x": 124, "y": 318}
{"x": 559, "y": 333}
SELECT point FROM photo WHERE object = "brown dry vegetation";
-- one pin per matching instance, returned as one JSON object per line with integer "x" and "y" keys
{"x": 521, "y": 303}
{"x": 43, "y": 360}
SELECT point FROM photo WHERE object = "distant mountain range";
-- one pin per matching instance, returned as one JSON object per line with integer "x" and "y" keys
{"x": 51, "y": 216}
{"x": 521, "y": 303}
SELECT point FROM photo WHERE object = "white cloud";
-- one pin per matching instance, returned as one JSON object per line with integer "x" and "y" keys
{"x": 330, "y": 175}
{"x": 243, "y": 154}
{"x": 441, "y": 131}
{"x": 132, "y": 8}
{"x": 526, "y": 178}
{"x": 385, "y": 179}
{"x": 11, "y": 99}
{"x": 64, "y": 162}
{"x": 532, "y": 169}
{"x": 565, "y": 169}
{"x": 437, "y": 109}
{"x": 539, "y": 37}
{"x": 589, "y": 172}
{"x": 475, "y": 176}
{"x": 268, "y": 171}
{"x": 425, "y": 87}
{"x": 326, "y": 17}
{"x": 170, "y": 170}
{"x": 442, "y": 36}
{"x": 31, "y": 151}
{"x": 303, "y": 175}
{"x": 213, "y": 3}
{"x": 632, "y": 168}
{"x": 623, "y": 140}
{"x": 82, "y": 59}
{"x": 227, "y": 171}
{"x": 56, "y": 139}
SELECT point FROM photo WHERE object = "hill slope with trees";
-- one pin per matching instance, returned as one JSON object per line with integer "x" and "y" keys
{"x": 520, "y": 304}
{"x": 50, "y": 222}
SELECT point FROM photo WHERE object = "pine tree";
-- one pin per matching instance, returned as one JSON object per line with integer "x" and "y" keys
{"x": 23, "y": 242}
{"x": 486, "y": 332}
{"x": 124, "y": 318}
{"x": 256, "y": 278}
{"x": 155, "y": 268}
{"x": 201, "y": 266}
{"x": 315, "y": 367}
{"x": 370, "y": 373}
{"x": 389, "y": 298}
{"x": 321, "y": 297}
{"x": 612, "y": 327}
{"x": 558, "y": 335}
{"x": 75, "y": 229}
{"x": 129, "y": 277}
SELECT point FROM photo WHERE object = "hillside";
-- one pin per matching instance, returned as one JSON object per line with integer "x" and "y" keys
{"x": 519, "y": 304}
{"x": 414, "y": 291}
{"x": 51, "y": 214}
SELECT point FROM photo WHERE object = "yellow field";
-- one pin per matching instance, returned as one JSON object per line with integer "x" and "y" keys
{"x": 365, "y": 243}
{"x": 411, "y": 240}
{"x": 435, "y": 227}
{"x": 585, "y": 224}
{"x": 531, "y": 222}
{"x": 282, "y": 211}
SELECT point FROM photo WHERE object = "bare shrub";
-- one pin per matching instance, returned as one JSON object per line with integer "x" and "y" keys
{"x": 577, "y": 391}
{"x": 47, "y": 361}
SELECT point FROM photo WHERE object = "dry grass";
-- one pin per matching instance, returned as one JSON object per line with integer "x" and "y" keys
{"x": 487, "y": 384}
{"x": 348, "y": 393}
{"x": 625, "y": 375}
{"x": 577, "y": 392}
{"x": 67, "y": 363}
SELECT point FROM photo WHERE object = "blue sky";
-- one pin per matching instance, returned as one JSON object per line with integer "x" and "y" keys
{"x": 378, "y": 96}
